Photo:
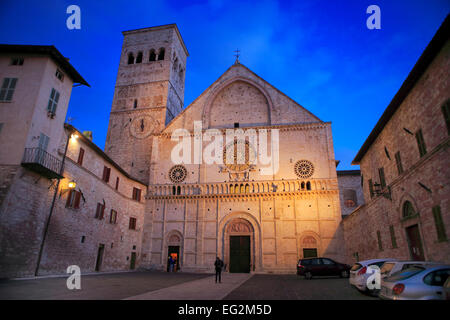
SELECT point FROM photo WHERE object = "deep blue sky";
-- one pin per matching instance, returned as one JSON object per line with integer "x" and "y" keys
{"x": 319, "y": 53}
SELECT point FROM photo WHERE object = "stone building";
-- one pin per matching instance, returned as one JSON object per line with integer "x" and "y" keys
{"x": 350, "y": 190}
{"x": 405, "y": 168}
{"x": 133, "y": 205}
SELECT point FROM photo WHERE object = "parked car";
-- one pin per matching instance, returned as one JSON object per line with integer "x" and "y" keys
{"x": 389, "y": 268}
{"x": 446, "y": 288}
{"x": 416, "y": 283}
{"x": 359, "y": 275}
{"x": 310, "y": 267}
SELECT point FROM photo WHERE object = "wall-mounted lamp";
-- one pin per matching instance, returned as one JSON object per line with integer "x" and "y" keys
{"x": 74, "y": 136}
{"x": 71, "y": 185}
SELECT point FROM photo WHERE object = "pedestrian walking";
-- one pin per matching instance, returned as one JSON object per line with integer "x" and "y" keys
{"x": 218, "y": 264}
{"x": 171, "y": 264}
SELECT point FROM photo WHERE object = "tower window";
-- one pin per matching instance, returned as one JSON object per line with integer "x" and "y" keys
{"x": 161, "y": 53}
{"x": 135, "y": 104}
{"x": 130, "y": 58}
{"x": 139, "y": 57}
{"x": 152, "y": 55}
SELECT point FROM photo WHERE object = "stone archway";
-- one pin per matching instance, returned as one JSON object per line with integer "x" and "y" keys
{"x": 308, "y": 242}
{"x": 173, "y": 244}
{"x": 240, "y": 224}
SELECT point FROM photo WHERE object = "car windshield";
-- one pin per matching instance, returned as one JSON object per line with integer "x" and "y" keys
{"x": 355, "y": 267}
{"x": 405, "y": 274}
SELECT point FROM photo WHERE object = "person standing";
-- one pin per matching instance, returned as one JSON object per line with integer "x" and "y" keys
{"x": 171, "y": 264}
{"x": 218, "y": 264}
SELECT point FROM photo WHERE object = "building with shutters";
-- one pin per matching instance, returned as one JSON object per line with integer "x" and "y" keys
{"x": 405, "y": 168}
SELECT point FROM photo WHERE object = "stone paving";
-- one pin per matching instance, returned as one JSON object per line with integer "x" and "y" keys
{"x": 182, "y": 286}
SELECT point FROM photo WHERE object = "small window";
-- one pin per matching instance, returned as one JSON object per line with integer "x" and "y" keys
{"x": 161, "y": 53}
{"x": 82, "y": 239}
{"x": 130, "y": 58}
{"x": 53, "y": 102}
{"x": 80, "y": 157}
{"x": 73, "y": 199}
{"x": 17, "y": 61}
{"x": 382, "y": 178}
{"x": 59, "y": 75}
{"x": 113, "y": 217}
{"x": 135, "y": 103}
{"x": 136, "y": 194}
{"x": 139, "y": 57}
{"x": 236, "y": 124}
{"x": 439, "y": 223}
{"x": 446, "y": 114}
{"x": 99, "y": 213}
{"x": 393, "y": 239}
{"x": 132, "y": 224}
{"x": 408, "y": 210}
{"x": 106, "y": 173}
{"x": 421, "y": 143}
{"x": 152, "y": 56}
{"x": 380, "y": 244}
{"x": 398, "y": 161}
{"x": 7, "y": 89}
{"x": 117, "y": 183}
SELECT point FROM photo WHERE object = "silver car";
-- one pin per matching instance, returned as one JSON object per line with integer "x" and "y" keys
{"x": 416, "y": 283}
{"x": 389, "y": 268}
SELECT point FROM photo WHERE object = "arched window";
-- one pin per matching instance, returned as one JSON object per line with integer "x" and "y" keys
{"x": 408, "y": 210}
{"x": 152, "y": 55}
{"x": 231, "y": 188}
{"x": 139, "y": 57}
{"x": 308, "y": 185}
{"x": 178, "y": 190}
{"x": 130, "y": 58}
{"x": 247, "y": 188}
{"x": 135, "y": 104}
{"x": 161, "y": 53}
{"x": 303, "y": 185}
{"x": 174, "y": 190}
{"x": 236, "y": 188}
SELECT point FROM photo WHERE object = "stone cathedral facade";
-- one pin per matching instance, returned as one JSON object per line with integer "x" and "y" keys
{"x": 64, "y": 201}
{"x": 197, "y": 211}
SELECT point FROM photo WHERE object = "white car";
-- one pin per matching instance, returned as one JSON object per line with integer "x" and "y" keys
{"x": 359, "y": 275}
{"x": 391, "y": 267}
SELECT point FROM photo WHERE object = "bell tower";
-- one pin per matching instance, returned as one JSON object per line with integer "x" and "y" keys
{"x": 149, "y": 93}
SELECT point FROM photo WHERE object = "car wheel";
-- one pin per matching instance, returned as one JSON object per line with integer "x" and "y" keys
{"x": 344, "y": 274}
{"x": 308, "y": 275}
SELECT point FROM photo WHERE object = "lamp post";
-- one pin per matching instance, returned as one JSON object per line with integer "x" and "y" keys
{"x": 47, "y": 223}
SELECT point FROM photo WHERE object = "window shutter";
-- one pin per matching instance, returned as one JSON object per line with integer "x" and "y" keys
{"x": 440, "y": 228}
{"x": 393, "y": 239}
{"x": 80, "y": 157}
{"x": 446, "y": 113}
{"x": 371, "y": 188}
{"x": 382, "y": 178}
{"x": 380, "y": 245}
{"x": 421, "y": 143}
{"x": 69, "y": 196}
{"x": 77, "y": 199}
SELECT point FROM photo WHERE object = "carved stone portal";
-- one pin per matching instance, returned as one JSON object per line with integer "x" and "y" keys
{"x": 239, "y": 226}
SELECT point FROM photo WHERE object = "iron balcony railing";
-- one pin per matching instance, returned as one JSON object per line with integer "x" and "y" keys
{"x": 42, "y": 162}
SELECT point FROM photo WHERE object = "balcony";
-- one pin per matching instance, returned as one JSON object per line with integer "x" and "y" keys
{"x": 40, "y": 161}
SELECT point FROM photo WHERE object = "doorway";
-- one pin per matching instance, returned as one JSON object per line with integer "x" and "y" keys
{"x": 415, "y": 243}
{"x": 101, "y": 250}
{"x": 309, "y": 253}
{"x": 133, "y": 261}
{"x": 239, "y": 254}
{"x": 174, "y": 252}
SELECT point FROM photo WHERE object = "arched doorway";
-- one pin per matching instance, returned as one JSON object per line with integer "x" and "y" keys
{"x": 174, "y": 249}
{"x": 239, "y": 246}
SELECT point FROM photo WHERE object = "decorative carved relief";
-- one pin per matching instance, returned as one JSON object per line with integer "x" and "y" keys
{"x": 174, "y": 238}
{"x": 309, "y": 241}
{"x": 239, "y": 226}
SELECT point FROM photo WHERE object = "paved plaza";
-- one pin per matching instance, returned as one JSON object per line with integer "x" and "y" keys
{"x": 181, "y": 286}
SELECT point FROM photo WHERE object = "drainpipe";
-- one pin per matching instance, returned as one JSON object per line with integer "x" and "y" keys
{"x": 47, "y": 223}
